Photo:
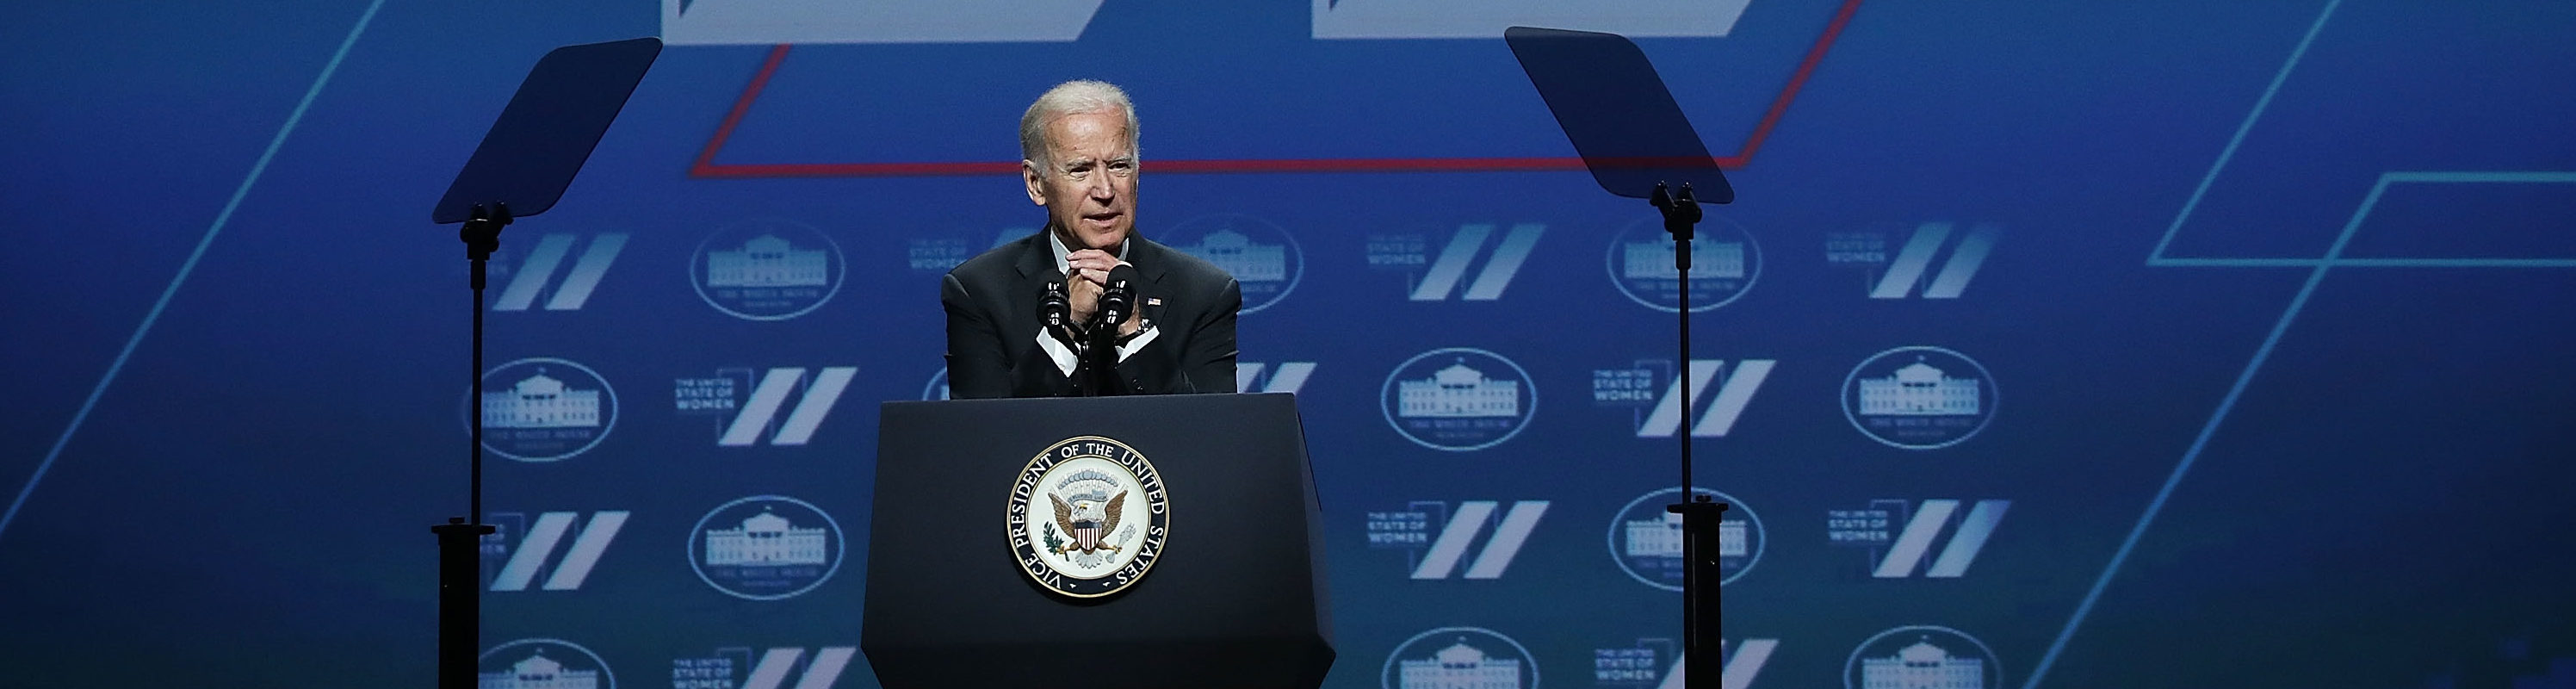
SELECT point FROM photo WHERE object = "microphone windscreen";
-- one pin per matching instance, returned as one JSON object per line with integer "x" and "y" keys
{"x": 1052, "y": 301}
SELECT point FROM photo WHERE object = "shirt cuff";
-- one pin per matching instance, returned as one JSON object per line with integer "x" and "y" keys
{"x": 1066, "y": 359}
{"x": 1137, "y": 344}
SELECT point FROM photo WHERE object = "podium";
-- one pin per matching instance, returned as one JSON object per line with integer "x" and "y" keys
{"x": 966, "y": 586}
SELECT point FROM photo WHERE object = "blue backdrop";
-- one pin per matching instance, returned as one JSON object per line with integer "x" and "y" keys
{"x": 2050, "y": 344}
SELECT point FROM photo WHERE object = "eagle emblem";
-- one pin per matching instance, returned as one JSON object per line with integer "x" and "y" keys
{"x": 1087, "y": 518}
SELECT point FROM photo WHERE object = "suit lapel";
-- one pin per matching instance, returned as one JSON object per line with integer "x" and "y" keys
{"x": 1036, "y": 259}
{"x": 1035, "y": 263}
{"x": 1149, "y": 259}
{"x": 1153, "y": 262}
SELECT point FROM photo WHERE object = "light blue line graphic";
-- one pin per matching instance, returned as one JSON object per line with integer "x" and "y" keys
{"x": 1245, "y": 373}
{"x": 185, "y": 268}
{"x": 1506, "y": 263}
{"x": 585, "y": 552}
{"x": 1971, "y": 537}
{"x": 1916, "y": 540}
{"x": 2190, "y": 456}
{"x": 826, "y": 667}
{"x": 1731, "y": 398}
{"x": 1911, "y": 261}
{"x": 1290, "y": 377}
{"x": 2319, "y": 268}
{"x": 773, "y": 667}
{"x": 534, "y": 272}
{"x": 1452, "y": 263}
{"x": 2229, "y": 153}
{"x": 1666, "y": 418}
{"x": 1507, "y": 540}
{"x": 533, "y": 550}
{"x": 2368, "y": 263}
{"x": 586, "y": 272}
{"x": 2460, "y": 177}
{"x": 818, "y": 402}
{"x": 2385, "y": 179}
{"x": 1454, "y": 539}
{"x": 763, "y": 406}
{"x": 1963, "y": 265}
{"x": 1747, "y": 660}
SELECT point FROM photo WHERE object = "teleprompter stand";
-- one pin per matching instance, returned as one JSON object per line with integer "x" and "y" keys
{"x": 528, "y": 158}
{"x": 1636, "y": 142}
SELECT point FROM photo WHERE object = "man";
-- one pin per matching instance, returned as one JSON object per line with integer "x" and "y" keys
{"x": 1079, "y": 160}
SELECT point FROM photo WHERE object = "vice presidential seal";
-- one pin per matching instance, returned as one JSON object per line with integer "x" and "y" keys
{"x": 1088, "y": 517}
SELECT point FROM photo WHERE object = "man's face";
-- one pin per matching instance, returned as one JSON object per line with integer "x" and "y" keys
{"x": 1088, "y": 184}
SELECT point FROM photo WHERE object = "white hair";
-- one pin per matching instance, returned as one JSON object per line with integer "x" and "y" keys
{"x": 1080, "y": 96}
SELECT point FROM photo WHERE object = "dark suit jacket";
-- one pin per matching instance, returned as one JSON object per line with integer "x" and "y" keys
{"x": 992, "y": 304}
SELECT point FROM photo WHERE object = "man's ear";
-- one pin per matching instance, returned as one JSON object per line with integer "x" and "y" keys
{"x": 1029, "y": 176}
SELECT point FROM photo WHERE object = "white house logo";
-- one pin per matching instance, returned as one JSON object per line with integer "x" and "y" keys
{"x": 765, "y": 547}
{"x": 767, "y": 270}
{"x": 1458, "y": 399}
{"x": 530, "y": 277}
{"x": 1714, "y": 405}
{"x": 1919, "y": 398}
{"x": 1087, "y": 517}
{"x": 1451, "y": 657}
{"x": 545, "y": 409}
{"x": 1646, "y": 541}
{"x": 937, "y": 388}
{"x": 1265, "y": 259}
{"x": 1724, "y": 264}
{"x": 530, "y": 546}
{"x": 1257, "y": 376}
{"x": 542, "y": 664}
{"x": 744, "y": 421}
{"x": 1898, "y": 536}
{"x": 744, "y": 667}
{"x": 1411, "y": 529}
{"x": 1658, "y": 663}
{"x": 1912, "y": 272}
{"x": 1923, "y": 656}
{"x": 1464, "y": 255}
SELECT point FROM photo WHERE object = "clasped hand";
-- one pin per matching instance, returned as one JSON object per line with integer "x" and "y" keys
{"x": 1088, "y": 278}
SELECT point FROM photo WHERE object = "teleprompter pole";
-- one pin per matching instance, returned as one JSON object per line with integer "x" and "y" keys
{"x": 1702, "y": 645}
{"x": 460, "y": 609}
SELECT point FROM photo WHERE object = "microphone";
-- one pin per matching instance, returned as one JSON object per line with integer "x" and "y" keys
{"x": 1054, "y": 316}
{"x": 1053, "y": 305}
{"x": 1117, "y": 305}
{"x": 1118, "y": 299}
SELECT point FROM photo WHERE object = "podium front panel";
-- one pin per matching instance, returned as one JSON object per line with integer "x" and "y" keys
{"x": 1235, "y": 598}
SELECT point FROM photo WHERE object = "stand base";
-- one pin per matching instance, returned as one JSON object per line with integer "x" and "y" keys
{"x": 1702, "y": 644}
{"x": 459, "y": 600}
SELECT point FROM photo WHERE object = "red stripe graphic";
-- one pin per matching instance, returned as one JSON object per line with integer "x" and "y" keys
{"x": 706, "y": 167}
